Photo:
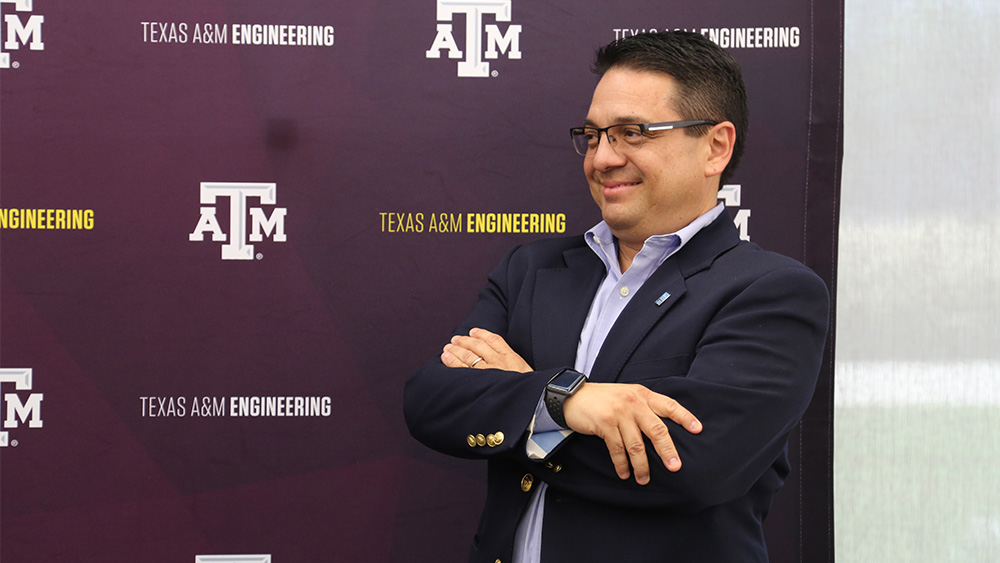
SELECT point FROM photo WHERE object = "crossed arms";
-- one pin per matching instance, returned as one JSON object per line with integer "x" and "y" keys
{"x": 618, "y": 413}
{"x": 741, "y": 350}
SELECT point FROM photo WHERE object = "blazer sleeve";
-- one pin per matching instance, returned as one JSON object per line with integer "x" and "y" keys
{"x": 447, "y": 409}
{"x": 749, "y": 380}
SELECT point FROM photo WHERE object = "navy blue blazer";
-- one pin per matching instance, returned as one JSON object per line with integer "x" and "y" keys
{"x": 738, "y": 342}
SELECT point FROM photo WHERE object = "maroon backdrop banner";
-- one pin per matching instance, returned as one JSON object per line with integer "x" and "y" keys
{"x": 230, "y": 230}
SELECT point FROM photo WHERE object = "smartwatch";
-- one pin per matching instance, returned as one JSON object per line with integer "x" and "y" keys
{"x": 560, "y": 388}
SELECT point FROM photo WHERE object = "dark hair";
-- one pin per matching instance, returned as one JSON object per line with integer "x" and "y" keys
{"x": 710, "y": 84}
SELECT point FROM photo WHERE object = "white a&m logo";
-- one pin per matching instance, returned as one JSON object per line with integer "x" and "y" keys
{"x": 731, "y": 195}
{"x": 18, "y": 31}
{"x": 237, "y": 245}
{"x": 497, "y": 42}
{"x": 18, "y": 411}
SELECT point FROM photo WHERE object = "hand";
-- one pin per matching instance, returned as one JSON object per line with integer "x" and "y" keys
{"x": 621, "y": 414}
{"x": 482, "y": 349}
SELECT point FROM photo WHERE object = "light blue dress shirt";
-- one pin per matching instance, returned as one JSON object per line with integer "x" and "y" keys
{"x": 611, "y": 298}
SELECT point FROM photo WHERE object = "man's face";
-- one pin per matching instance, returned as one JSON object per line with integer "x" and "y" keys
{"x": 662, "y": 186}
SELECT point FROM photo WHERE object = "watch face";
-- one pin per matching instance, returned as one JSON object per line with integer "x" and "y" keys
{"x": 565, "y": 381}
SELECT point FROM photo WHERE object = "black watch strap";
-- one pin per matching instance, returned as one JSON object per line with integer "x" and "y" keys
{"x": 554, "y": 404}
{"x": 561, "y": 387}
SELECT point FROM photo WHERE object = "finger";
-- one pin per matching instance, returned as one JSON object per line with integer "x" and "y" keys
{"x": 636, "y": 449}
{"x": 464, "y": 357}
{"x": 473, "y": 347}
{"x": 669, "y": 408}
{"x": 663, "y": 444}
{"x": 450, "y": 360}
{"x": 493, "y": 340}
{"x": 619, "y": 457}
{"x": 499, "y": 353}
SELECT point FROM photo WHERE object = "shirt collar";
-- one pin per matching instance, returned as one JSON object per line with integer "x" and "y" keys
{"x": 657, "y": 247}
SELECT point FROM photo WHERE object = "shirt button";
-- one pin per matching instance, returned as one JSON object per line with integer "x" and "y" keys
{"x": 623, "y": 291}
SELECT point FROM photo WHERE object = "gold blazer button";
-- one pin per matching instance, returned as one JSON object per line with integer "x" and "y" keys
{"x": 527, "y": 481}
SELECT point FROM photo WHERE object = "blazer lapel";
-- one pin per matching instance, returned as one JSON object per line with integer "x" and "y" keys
{"x": 560, "y": 304}
{"x": 665, "y": 287}
{"x": 656, "y": 296}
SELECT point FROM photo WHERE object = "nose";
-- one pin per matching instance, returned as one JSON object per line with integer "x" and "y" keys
{"x": 606, "y": 156}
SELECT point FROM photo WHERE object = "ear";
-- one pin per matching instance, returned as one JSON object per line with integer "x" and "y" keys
{"x": 721, "y": 141}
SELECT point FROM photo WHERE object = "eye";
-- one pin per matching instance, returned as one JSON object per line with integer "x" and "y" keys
{"x": 591, "y": 137}
{"x": 631, "y": 133}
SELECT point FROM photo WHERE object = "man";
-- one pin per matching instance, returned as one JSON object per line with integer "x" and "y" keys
{"x": 570, "y": 373}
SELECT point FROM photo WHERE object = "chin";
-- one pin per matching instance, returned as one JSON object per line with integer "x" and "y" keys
{"x": 617, "y": 224}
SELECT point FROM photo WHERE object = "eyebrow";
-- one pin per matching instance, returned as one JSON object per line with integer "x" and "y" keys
{"x": 618, "y": 120}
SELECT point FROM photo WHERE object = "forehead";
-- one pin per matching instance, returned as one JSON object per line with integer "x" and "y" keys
{"x": 625, "y": 95}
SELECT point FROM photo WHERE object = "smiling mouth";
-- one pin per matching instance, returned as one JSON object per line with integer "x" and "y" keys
{"x": 612, "y": 188}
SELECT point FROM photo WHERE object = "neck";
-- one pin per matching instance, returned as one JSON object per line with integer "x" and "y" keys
{"x": 626, "y": 253}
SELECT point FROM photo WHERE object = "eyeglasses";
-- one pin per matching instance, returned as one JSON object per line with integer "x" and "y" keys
{"x": 586, "y": 139}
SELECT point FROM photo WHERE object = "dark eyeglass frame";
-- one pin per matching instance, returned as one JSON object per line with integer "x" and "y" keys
{"x": 583, "y": 148}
